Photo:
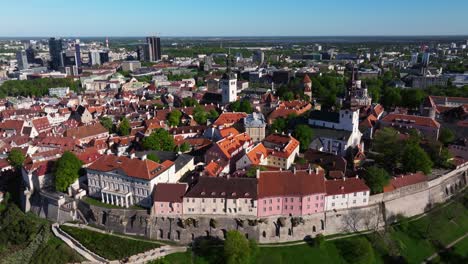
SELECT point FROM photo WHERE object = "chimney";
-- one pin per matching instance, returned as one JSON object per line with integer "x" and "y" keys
{"x": 317, "y": 170}
{"x": 344, "y": 178}
{"x": 294, "y": 169}
{"x": 143, "y": 157}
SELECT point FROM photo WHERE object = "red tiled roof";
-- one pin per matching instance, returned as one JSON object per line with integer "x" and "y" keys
{"x": 213, "y": 169}
{"x": 169, "y": 192}
{"x": 229, "y": 118}
{"x": 411, "y": 119}
{"x": 405, "y": 180}
{"x": 231, "y": 143}
{"x": 228, "y": 131}
{"x": 288, "y": 183}
{"x": 345, "y": 185}
{"x": 142, "y": 169}
{"x": 257, "y": 153}
{"x": 86, "y": 131}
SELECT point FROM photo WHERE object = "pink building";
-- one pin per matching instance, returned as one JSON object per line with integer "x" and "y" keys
{"x": 292, "y": 193}
{"x": 168, "y": 198}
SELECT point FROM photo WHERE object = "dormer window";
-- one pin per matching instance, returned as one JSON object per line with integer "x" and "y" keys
{"x": 203, "y": 193}
{"x": 213, "y": 193}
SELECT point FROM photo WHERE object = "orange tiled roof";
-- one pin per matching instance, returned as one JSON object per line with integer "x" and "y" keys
{"x": 256, "y": 154}
{"x": 229, "y": 118}
{"x": 232, "y": 143}
{"x": 408, "y": 119}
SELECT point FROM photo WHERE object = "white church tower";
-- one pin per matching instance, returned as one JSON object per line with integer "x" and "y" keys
{"x": 228, "y": 85}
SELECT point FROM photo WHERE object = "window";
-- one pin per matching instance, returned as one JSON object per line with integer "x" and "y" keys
{"x": 264, "y": 201}
{"x": 316, "y": 197}
{"x": 214, "y": 210}
{"x": 277, "y": 207}
{"x": 203, "y": 210}
{"x": 354, "y": 201}
{"x": 355, "y": 194}
{"x": 308, "y": 199}
{"x": 333, "y": 204}
{"x": 203, "y": 200}
{"x": 344, "y": 195}
{"x": 214, "y": 200}
{"x": 291, "y": 207}
{"x": 286, "y": 200}
{"x": 285, "y": 207}
{"x": 271, "y": 201}
{"x": 268, "y": 208}
{"x": 364, "y": 200}
{"x": 316, "y": 205}
{"x": 308, "y": 206}
{"x": 264, "y": 209}
{"x": 278, "y": 200}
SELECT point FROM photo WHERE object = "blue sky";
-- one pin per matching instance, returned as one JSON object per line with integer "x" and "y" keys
{"x": 232, "y": 18}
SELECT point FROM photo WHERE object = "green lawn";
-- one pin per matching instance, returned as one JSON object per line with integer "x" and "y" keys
{"x": 109, "y": 246}
{"x": 55, "y": 251}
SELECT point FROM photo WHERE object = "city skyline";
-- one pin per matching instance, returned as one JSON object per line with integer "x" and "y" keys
{"x": 242, "y": 18}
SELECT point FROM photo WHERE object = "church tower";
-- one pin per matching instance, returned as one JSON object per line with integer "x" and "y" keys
{"x": 228, "y": 85}
{"x": 308, "y": 86}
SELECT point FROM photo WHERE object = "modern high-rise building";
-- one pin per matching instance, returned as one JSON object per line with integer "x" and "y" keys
{"x": 78, "y": 54}
{"x": 104, "y": 56}
{"x": 414, "y": 58}
{"x": 31, "y": 55}
{"x": 154, "y": 48}
{"x": 95, "y": 58}
{"x": 55, "y": 51}
{"x": 425, "y": 58}
{"x": 258, "y": 57}
{"x": 22, "y": 60}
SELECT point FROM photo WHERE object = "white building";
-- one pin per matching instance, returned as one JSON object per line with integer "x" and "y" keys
{"x": 346, "y": 193}
{"x": 125, "y": 181}
{"x": 228, "y": 85}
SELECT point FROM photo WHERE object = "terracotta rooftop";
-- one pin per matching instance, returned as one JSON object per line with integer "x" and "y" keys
{"x": 169, "y": 192}
{"x": 142, "y": 169}
{"x": 405, "y": 180}
{"x": 288, "y": 183}
{"x": 345, "y": 185}
{"x": 411, "y": 119}
{"x": 229, "y": 118}
{"x": 86, "y": 131}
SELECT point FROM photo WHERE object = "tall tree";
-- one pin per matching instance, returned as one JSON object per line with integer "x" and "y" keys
{"x": 16, "y": 158}
{"x": 304, "y": 134}
{"x": 356, "y": 250}
{"x": 124, "y": 127}
{"x": 376, "y": 178}
{"x": 415, "y": 159}
{"x": 446, "y": 136}
{"x": 236, "y": 248}
{"x": 174, "y": 118}
{"x": 107, "y": 123}
{"x": 387, "y": 144}
{"x": 66, "y": 170}
{"x": 159, "y": 140}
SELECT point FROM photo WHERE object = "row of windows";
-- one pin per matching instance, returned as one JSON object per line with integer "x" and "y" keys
{"x": 291, "y": 199}
{"x": 291, "y": 207}
{"x": 344, "y": 195}
{"x": 354, "y": 202}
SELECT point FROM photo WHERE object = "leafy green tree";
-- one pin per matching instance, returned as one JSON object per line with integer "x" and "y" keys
{"x": 184, "y": 147}
{"x": 376, "y": 178}
{"x": 16, "y": 158}
{"x": 391, "y": 98}
{"x": 159, "y": 140}
{"x": 124, "y": 127}
{"x": 304, "y": 134}
{"x": 200, "y": 115}
{"x": 288, "y": 96}
{"x": 387, "y": 144}
{"x": 189, "y": 101}
{"x": 242, "y": 106}
{"x": 415, "y": 159}
{"x": 412, "y": 98}
{"x": 107, "y": 123}
{"x": 356, "y": 250}
{"x": 446, "y": 136}
{"x": 279, "y": 125}
{"x": 153, "y": 157}
{"x": 252, "y": 171}
{"x": 174, "y": 117}
{"x": 66, "y": 170}
{"x": 236, "y": 248}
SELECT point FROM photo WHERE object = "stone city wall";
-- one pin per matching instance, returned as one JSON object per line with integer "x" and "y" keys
{"x": 382, "y": 209}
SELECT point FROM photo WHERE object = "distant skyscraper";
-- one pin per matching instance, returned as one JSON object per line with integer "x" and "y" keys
{"x": 95, "y": 58}
{"x": 78, "y": 55}
{"x": 154, "y": 48}
{"x": 104, "y": 56}
{"x": 414, "y": 58}
{"x": 22, "y": 60}
{"x": 30, "y": 55}
{"x": 425, "y": 58}
{"x": 258, "y": 57}
{"x": 142, "y": 53}
{"x": 55, "y": 51}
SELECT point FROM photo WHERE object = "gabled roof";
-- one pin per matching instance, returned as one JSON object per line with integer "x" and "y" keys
{"x": 256, "y": 154}
{"x": 229, "y": 118}
{"x": 411, "y": 119}
{"x": 405, "y": 180}
{"x": 345, "y": 185}
{"x": 169, "y": 192}
{"x": 232, "y": 143}
{"x": 142, "y": 169}
{"x": 228, "y": 188}
{"x": 86, "y": 131}
{"x": 288, "y": 183}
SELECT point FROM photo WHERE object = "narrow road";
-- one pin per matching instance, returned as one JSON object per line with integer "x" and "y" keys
{"x": 446, "y": 247}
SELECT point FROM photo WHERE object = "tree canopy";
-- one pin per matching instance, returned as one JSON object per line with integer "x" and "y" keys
{"x": 159, "y": 140}
{"x": 415, "y": 159}
{"x": 201, "y": 116}
{"x": 446, "y": 136}
{"x": 66, "y": 170}
{"x": 376, "y": 178}
{"x": 107, "y": 123}
{"x": 16, "y": 158}
{"x": 36, "y": 87}
{"x": 356, "y": 250}
{"x": 173, "y": 118}
{"x": 236, "y": 248}
{"x": 153, "y": 157}
{"x": 124, "y": 127}
{"x": 304, "y": 134}
{"x": 242, "y": 106}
